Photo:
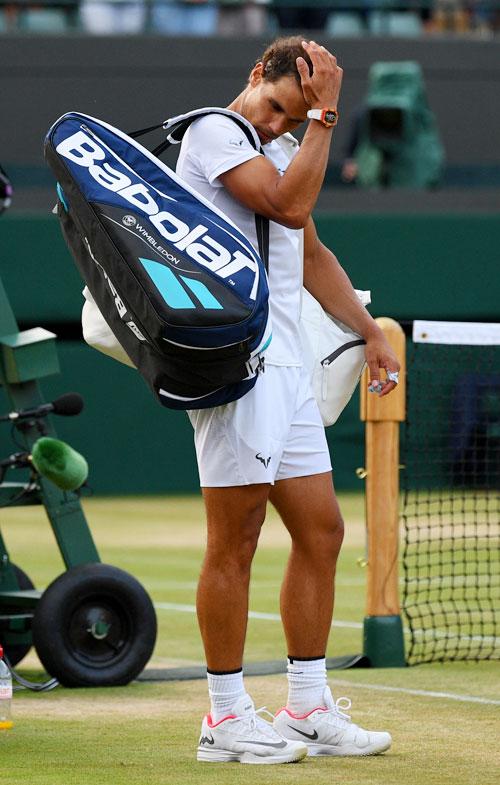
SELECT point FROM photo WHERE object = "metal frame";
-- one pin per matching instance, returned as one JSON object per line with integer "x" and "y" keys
{"x": 25, "y": 357}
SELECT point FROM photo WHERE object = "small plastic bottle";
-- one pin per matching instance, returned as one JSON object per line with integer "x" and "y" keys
{"x": 5, "y": 694}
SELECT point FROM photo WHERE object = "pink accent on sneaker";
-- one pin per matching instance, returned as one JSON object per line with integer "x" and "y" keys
{"x": 300, "y": 716}
{"x": 212, "y": 724}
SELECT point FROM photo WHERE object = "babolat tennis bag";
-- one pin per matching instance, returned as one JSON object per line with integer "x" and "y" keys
{"x": 179, "y": 285}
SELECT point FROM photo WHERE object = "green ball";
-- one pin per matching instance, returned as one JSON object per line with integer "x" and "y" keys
{"x": 60, "y": 463}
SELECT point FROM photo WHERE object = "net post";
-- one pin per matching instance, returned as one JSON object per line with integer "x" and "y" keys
{"x": 383, "y": 642}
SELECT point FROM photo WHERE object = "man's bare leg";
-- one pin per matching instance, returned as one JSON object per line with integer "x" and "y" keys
{"x": 234, "y": 519}
{"x": 311, "y": 514}
{"x": 310, "y": 511}
{"x": 233, "y": 730}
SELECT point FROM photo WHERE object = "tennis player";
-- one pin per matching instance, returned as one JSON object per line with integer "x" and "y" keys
{"x": 270, "y": 445}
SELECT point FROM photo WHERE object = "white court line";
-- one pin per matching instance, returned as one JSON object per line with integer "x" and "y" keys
{"x": 173, "y": 606}
{"x": 421, "y": 693}
{"x": 351, "y": 625}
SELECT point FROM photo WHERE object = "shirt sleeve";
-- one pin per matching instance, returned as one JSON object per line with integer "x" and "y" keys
{"x": 218, "y": 144}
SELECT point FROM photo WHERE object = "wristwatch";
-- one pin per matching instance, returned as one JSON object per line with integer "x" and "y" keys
{"x": 328, "y": 117}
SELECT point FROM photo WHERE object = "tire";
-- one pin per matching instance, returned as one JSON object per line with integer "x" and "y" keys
{"x": 94, "y": 626}
{"x": 15, "y": 651}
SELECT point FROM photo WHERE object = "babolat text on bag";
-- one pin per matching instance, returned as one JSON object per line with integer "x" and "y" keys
{"x": 179, "y": 285}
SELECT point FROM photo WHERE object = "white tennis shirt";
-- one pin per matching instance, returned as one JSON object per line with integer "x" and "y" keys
{"x": 213, "y": 145}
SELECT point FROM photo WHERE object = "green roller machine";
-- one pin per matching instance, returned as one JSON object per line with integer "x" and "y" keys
{"x": 94, "y": 625}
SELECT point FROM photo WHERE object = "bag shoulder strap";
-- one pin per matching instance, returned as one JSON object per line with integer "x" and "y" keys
{"x": 177, "y": 127}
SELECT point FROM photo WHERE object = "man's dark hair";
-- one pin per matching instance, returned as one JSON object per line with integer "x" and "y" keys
{"x": 280, "y": 57}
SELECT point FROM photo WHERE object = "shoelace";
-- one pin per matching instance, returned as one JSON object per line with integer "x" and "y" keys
{"x": 256, "y": 722}
{"x": 342, "y": 705}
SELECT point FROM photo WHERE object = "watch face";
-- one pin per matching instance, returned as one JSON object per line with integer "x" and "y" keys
{"x": 331, "y": 117}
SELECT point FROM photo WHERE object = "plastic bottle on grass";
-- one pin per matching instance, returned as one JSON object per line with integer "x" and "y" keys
{"x": 5, "y": 694}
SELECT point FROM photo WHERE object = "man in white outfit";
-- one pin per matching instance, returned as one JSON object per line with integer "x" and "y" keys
{"x": 270, "y": 445}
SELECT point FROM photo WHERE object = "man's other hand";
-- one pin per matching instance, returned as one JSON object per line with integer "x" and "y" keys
{"x": 379, "y": 355}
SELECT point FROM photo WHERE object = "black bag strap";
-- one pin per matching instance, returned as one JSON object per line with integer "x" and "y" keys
{"x": 262, "y": 229}
{"x": 176, "y": 132}
{"x": 177, "y": 128}
{"x": 144, "y": 131}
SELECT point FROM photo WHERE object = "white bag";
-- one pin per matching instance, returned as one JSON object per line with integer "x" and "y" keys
{"x": 334, "y": 355}
{"x": 97, "y": 333}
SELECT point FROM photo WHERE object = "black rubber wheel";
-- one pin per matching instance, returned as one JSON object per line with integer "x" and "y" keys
{"x": 16, "y": 651}
{"x": 94, "y": 626}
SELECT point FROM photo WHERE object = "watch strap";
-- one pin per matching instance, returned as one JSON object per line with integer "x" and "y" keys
{"x": 324, "y": 115}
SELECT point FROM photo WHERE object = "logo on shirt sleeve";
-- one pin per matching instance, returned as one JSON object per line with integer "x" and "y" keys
{"x": 236, "y": 142}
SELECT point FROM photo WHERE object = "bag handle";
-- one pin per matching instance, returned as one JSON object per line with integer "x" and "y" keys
{"x": 177, "y": 127}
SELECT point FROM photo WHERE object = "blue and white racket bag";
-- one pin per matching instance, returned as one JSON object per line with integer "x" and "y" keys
{"x": 179, "y": 285}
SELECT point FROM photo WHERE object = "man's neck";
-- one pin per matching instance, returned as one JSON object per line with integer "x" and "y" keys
{"x": 237, "y": 104}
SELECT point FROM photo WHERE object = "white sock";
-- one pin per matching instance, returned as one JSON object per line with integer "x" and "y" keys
{"x": 306, "y": 684}
{"x": 224, "y": 690}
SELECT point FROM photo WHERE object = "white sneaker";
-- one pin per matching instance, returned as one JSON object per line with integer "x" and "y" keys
{"x": 245, "y": 737}
{"x": 328, "y": 730}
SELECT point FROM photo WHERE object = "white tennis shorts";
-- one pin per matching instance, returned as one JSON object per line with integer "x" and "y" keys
{"x": 274, "y": 432}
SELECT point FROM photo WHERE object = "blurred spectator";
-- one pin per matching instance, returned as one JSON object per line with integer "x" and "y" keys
{"x": 485, "y": 17}
{"x": 112, "y": 17}
{"x": 247, "y": 17}
{"x": 349, "y": 169}
{"x": 309, "y": 16}
{"x": 184, "y": 17}
{"x": 451, "y": 15}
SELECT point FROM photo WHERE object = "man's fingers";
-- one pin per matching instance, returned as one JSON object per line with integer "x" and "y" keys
{"x": 302, "y": 68}
{"x": 322, "y": 86}
{"x": 387, "y": 388}
{"x": 377, "y": 383}
{"x": 374, "y": 370}
{"x": 320, "y": 56}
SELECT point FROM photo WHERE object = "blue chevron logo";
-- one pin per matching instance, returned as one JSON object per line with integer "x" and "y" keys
{"x": 174, "y": 292}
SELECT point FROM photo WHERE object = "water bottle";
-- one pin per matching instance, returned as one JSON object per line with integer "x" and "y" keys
{"x": 5, "y": 694}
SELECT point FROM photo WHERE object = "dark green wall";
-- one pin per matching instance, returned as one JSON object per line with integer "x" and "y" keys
{"x": 416, "y": 266}
{"x": 421, "y": 266}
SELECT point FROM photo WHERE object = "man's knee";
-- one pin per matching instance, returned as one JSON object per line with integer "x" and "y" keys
{"x": 331, "y": 535}
{"x": 322, "y": 538}
{"x": 232, "y": 538}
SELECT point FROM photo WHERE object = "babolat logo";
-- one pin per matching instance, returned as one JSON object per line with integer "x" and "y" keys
{"x": 195, "y": 241}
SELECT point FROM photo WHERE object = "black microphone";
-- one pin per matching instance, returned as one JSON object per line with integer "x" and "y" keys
{"x": 66, "y": 405}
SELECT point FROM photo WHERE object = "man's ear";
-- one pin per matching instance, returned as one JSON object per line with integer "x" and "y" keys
{"x": 256, "y": 74}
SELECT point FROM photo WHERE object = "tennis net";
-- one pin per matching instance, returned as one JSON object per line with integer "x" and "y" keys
{"x": 451, "y": 493}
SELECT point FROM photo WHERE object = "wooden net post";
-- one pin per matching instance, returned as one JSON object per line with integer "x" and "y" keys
{"x": 383, "y": 630}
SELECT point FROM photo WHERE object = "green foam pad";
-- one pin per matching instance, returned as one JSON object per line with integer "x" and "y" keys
{"x": 60, "y": 463}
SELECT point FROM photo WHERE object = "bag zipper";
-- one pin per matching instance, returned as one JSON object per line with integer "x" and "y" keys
{"x": 328, "y": 361}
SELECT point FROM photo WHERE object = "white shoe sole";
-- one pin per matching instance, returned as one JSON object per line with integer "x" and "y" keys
{"x": 347, "y": 750}
{"x": 226, "y": 756}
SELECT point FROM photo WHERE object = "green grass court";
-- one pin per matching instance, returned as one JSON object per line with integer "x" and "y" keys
{"x": 147, "y": 733}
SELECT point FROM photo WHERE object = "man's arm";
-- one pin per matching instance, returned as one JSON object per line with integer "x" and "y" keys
{"x": 327, "y": 281}
{"x": 290, "y": 199}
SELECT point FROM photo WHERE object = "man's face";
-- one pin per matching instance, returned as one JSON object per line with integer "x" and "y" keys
{"x": 273, "y": 108}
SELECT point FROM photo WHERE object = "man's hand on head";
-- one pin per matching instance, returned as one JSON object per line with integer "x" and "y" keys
{"x": 322, "y": 88}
